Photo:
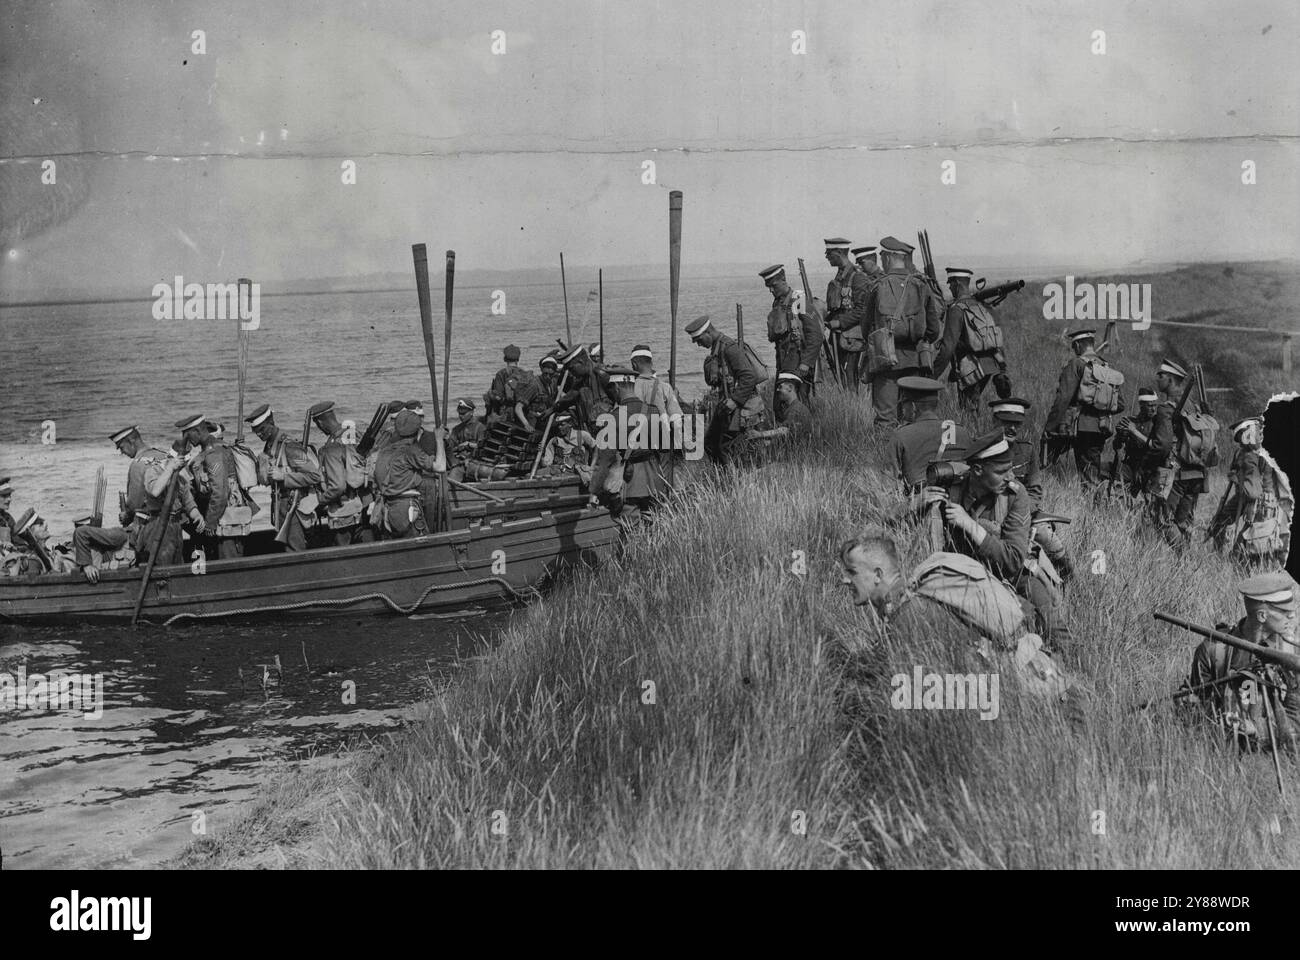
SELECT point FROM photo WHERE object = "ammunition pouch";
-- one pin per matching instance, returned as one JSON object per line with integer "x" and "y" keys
{"x": 345, "y": 514}
{"x": 306, "y": 510}
{"x": 1164, "y": 482}
{"x": 851, "y": 339}
{"x": 925, "y": 355}
{"x": 236, "y": 521}
{"x": 1259, "y": 539}
{"x": 969, "y": 371}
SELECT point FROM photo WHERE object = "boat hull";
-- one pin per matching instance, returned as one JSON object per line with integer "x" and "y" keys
{"x": 491, "y": 562}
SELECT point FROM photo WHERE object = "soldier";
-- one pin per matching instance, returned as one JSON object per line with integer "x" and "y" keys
{"x": 147, "y": 479}
{"x": 865, "y": 258}
{"x": 904, "y": 319}
{"x": 1252, "y": 498}
{"x": 987, "y": 515}
{"x": 468, "y": 432}
{"x": 548, "y": 380}
{"x": 727, "y": 368}
{"x": 917, "y": 442}
{"x": 846, "y": 305}
{"x": 1218, "y": 671}
{"x": 1009, "y": 413}
{"x": 798, "y": 338}
{"x": 1087, "y": 396}
{"x": 654, "y": 393}
{"x": 791, "y": 412}
{"x": 1133, "y": 436}
{"x": 399, "y": 473}
{"x": 1179, "y": 483}
{"x": 500, "y": 402}
{"x": 288, "y": 469}
{"x": 587, "y": 392}
{"x": 342, "y": 490}
{"x": 972, "y": 344}
{"x": 226, "y": 516}
{"x": 570, "y": 450}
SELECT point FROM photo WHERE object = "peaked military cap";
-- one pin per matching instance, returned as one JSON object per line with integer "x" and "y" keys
{"x": 511, "y": 354}
{"x": 641, "y": 351}
{"x": 1077, "y": 335}
{"x": 394, "y": 407}
{"x": 920, "y": 384}
{"x": 416, "y": 406}
{"x": 1012, "y": 408}
{"x": 837, "y": 243}
{"x": 189, "y": 423}
{"x": 4, "y": 486}
{"x": 28, "y": 518}
{"x": 990, "y": 448}
{"x": 620, "y": 373}
{"x": 774, "y": 272}
{"x": 1243, "y": 426}
{"x": 464, "y": 403}
{"x": 260, "y": 414}
{"x": 573, "y": 354}
{"x": 698, "y": 326}
{"x": 1040, "y": 516}
{"x": 1147, "y": 393}
{"x": 860, "y": 252}
{"x": 548, "y": 361}
{"x": 787, "y": 375}
{"x": 407, "y": 423}
{"x": 316, "y": 409}
{"x": 895, "y": 246}
{"x": 1172, "y": 369}
{"x": 958, "y": 273}
{"x": 1268, "y": 588}
{"x": 121, "y": 434}
{"x": 594, "y": 348}
{"x": 563, "y": 418}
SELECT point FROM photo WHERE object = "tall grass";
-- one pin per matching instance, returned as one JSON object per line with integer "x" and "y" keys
{"x": 692, "y": 704}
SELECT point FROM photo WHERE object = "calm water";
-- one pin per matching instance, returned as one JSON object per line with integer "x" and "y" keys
{"x": 179, "y": 733}
{"x": 182, "y": 733}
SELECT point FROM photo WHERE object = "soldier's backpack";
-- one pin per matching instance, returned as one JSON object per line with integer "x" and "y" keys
{"x": 245, "y": 464}
{"x": 967, "y": 588}
{"x": 1099, "y": 387}
{"x": 782, "y": 319}
{"x": 980, "y": 332}
{"x": 1198, "y": 441}
{"x": 639, "y": 443}
{"x": 719, "y": 364}
{"x": 906, "y": 320}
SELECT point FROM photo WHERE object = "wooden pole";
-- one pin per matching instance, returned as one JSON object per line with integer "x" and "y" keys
{"x": 674, "y": 276}
{"x": 164, "y": 519}
{"x": 421, "y": 256}
{"x": 546, "y": 434}
{"x": 568, "y": 329}
{"x": 600, "y": 280}
{"x": 446, "y": 345}
{"x": 740, "y": 322}
{"x": 242, "y": 335}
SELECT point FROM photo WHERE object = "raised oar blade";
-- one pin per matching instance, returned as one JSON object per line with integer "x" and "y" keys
{"x": 446, "y": 344}
{"x": 421, "y": 256}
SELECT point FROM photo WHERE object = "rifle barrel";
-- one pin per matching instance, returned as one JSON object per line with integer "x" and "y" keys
{"x": 1283, "y": 659}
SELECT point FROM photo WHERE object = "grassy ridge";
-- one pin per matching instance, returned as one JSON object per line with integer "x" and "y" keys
{"x": 761, "y": 723}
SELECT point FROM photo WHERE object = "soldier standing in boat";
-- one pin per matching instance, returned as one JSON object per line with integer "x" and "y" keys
{"x": 225, "y": 516}
{"x": 343, "y": 491}
{"x": 6, "y": 518}
{"x": 146, "y": 482}
{"x": 289, "y": 469}
{"x": 399, "y": 472}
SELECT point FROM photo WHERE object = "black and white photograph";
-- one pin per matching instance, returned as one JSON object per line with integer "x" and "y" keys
{"x": 624, "y": 436}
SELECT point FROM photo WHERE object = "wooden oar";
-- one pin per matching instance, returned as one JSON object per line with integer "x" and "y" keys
{"x": 600, "y": 282}
{"x": 472, "y": 489}
{"x": 164, "y": 519}
{"x": 674, "y": 277}
{"x": 446, "y": 383}
{"x": 242, "y": 336}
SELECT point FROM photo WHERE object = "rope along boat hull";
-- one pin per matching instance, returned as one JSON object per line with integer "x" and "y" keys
{"x": 491, "y": 562}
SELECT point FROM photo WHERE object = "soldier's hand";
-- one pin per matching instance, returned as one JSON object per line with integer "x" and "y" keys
{"x": 277, "y": 473}
{"x": 125, "y": 517}
{"x": 956, "y": 514}
{"x": 729, "y": 404}
{"x": 91, "y": 573}
{"x": 804, "y": 370}
{"x": 200, "y": 525}
{"x": 933, "y": 495}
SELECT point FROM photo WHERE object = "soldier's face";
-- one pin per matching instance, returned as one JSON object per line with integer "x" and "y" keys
{"x": 865, "y": 582}
{"x": 466, "y": 415}
{"x": 992, "y": 477}
{"x": 264, "y": 429}
{"x": 1279, "y": 620}
{"x": 1147, "y": 409}
{"x": 1008, "y": 429}
{"x": 5, "y": 500}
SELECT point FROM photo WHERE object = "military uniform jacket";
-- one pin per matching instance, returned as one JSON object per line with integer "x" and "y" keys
{"x": 1006, "y": 518}
{"x": 743, "y": 381}
{"x": 918, "y": 301}
{"x": 1253, "y": 475}
{"x": 846, "y": 298}
{"x": 797, "y": 418}
{"x": 1167, "y": 436}
{"x": 6, "y": 527}
{"x": 465, "y": 437}
{"x": 401, "y": 466}
{"x": 1024, "y": 457}
{"x": 953, "y": 346}
{"x": 793, "y": 351}
{"x": 915, "y": 445}
{"x": 212, "y": 478}
{"x": 1142, "y": 456}
{"x": 1067, "y": 392}
{"x": 301, "y": 469}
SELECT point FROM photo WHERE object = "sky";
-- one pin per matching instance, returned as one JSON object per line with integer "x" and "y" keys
{"x": 230, "y": 162}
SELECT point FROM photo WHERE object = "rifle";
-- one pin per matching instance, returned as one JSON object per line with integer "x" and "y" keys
{"x": 931, "y": 277}
{"x": 1288, "y": 661}
{"x": 282, "y": 534}
{"x": 999, "y": 293}
{"x": 828, "y": 348}
{"x": 372, "y": 432}
{"x": 1114, "y": 461}
{"x": 1200, "y": 389}
{"x": 1106, "y": 337}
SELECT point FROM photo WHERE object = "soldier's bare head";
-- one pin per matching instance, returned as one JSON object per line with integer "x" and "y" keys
{"x": 871, "y": 568}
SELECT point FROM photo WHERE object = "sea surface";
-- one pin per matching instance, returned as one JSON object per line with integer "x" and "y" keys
{"x": 188, "y": 727}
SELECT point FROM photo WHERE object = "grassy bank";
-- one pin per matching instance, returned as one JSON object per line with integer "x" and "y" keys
{"x": 689, "y": 705}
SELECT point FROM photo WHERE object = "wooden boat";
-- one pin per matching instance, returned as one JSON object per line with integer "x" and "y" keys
{"x": 514, "y": 499}
{"x": 490, "y": 561}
